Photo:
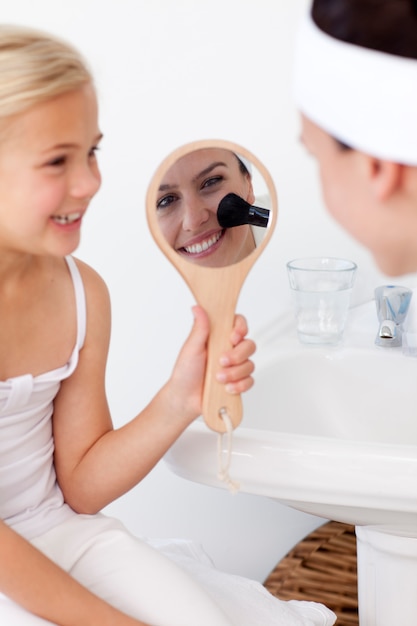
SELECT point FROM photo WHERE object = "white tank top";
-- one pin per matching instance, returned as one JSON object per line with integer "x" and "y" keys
{"x": 31, "y": 501}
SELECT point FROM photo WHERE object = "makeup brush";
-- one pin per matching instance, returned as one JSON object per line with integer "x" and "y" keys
{"x": 235, "y": 211}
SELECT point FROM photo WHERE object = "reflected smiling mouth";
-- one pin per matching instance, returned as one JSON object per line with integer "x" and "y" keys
{"x": 202, "y": 246}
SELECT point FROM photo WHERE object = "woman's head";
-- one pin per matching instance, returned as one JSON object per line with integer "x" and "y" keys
{"x": 356, "y": 88}
{"x": 386, "y": 25}
{"x": 187, "y": 203}
{"x": 350, "y": 80}
{"x": 35, "y": 67}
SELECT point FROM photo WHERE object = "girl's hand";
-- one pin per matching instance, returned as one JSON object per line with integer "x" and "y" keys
{"x": 235, "y": 367}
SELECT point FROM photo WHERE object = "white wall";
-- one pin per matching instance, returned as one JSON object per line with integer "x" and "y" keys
{"x": 169, "y": 72}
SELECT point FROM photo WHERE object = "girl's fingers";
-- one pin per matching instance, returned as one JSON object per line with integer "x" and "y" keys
{"x": 239, "y": 354}
{"x": 240, "y": 330}
{"x": 235, "y": 373}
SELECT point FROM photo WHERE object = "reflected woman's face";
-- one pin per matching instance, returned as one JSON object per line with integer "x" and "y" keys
{"x": 187, "y": 203}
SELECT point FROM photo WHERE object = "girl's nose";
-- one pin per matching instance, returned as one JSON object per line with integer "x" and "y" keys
{"x": 195, "y": 213}
{"x": 86, "y": 181}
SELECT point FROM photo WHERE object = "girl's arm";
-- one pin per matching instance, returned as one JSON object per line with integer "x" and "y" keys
{"x": 96, "y": 464}
{"x": 41, "y": 587}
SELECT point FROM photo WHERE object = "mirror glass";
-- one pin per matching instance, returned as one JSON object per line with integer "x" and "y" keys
{"x": 213, "y": 206}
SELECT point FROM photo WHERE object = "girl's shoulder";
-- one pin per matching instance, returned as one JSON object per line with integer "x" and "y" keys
{"x": 94, "y": 284}
{"x": 97, "y": 303}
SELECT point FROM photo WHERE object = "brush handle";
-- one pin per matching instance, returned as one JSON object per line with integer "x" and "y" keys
{"x": 258, "y": 216}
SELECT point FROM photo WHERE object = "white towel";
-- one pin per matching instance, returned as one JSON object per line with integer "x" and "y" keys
{"x": 246, "y": 602}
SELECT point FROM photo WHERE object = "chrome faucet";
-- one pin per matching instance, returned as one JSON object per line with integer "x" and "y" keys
{"x": 392, "y": 303}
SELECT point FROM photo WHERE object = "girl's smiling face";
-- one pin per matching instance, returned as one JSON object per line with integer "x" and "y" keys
{"x": 187, "y": 203}
{"x": 48, "y": 173}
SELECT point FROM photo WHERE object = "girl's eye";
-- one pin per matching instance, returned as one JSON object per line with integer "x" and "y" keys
{"x": 213, "y": 180}
{"x": 166, "y": 201}
{"x": 93, "y": 151}
{"x": 57, "y": 161}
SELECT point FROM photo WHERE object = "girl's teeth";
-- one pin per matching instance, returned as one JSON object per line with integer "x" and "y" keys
{"x": 204, "y": 245}
{"x": 66, "y": 219}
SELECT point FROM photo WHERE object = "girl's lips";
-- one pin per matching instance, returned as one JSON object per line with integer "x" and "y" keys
{"x": 67, "y": 219}
{"x": 204, "y": 246}
{"x": 69, "y": 222}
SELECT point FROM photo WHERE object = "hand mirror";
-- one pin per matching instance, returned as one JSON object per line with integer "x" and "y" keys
{"x": 211, "y": 208}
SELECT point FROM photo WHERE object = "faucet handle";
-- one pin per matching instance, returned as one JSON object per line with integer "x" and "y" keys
{"x": 392, "y": 304}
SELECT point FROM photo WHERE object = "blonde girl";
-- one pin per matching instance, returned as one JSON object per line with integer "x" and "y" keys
{"x": 61, "y": 561}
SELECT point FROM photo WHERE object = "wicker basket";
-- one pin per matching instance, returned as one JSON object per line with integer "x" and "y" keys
{"x": 321, "y": 568}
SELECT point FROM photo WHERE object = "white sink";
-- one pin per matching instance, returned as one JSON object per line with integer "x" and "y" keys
{"x": 332, "y": 432}
{"x": 324, "y": 433}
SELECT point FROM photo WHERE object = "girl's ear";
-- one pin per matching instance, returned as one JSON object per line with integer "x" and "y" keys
{"x": 385, "y": 177}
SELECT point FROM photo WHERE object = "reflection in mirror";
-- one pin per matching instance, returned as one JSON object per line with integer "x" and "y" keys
{"x": 206, "y": 209}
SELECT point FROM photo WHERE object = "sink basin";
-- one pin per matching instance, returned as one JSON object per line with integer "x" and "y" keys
{"x": 323, "y": 433}
{"x": 332, "y": 432}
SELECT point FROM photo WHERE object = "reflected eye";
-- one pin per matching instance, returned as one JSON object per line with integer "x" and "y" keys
{"x": 213, "y": 180}
{"x": 166, "y": 201}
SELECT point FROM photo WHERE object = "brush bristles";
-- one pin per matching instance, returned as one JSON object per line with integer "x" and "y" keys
{"x": 235, "y": 211}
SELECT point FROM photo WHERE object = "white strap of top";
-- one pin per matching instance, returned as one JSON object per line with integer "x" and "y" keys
{"x": 79, "y": 300}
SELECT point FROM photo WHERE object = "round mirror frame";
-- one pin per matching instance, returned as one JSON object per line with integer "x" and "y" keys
{"x": 216, "y": 289}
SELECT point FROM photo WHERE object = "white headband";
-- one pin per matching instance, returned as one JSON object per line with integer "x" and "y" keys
{"x": 365, "y": 98}
{"x": 245, "y": 162}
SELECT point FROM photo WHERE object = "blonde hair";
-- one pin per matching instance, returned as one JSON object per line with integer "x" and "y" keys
{"x": 34, "y": 67}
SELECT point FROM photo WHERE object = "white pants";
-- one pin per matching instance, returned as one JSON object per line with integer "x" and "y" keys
{"x": 154, "y": 587}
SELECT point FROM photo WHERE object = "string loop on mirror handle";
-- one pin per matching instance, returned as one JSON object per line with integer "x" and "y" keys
{"x": 223, "y": 469}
